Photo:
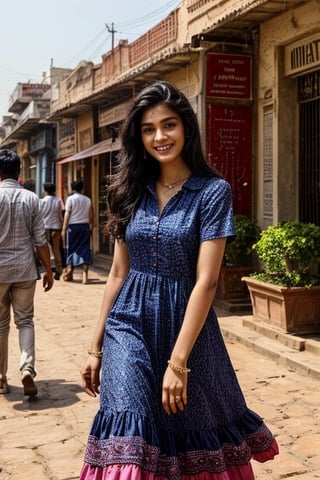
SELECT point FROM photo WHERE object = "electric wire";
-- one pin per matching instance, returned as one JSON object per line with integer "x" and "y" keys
{"x": 149, "y": 16}
{"x": 121, "y": 28}
{"x": 97, "y": 49}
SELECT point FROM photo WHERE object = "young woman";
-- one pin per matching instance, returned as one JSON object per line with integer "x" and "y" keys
{"x": 170, "y": 404}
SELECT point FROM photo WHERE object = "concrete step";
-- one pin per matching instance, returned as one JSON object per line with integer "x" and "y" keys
{"x": 102, "y": 262}
{"x": 234, "y": 305}
{"x": 299, "y": 353}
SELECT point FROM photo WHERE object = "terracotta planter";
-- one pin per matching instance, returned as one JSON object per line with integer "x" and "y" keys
{"x": 232, "y": 294}
{"x": 230, "y": 283}
{"x": 293, "y": 310}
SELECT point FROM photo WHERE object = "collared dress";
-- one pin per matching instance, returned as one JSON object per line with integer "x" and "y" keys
{"x": 132, "y": 437}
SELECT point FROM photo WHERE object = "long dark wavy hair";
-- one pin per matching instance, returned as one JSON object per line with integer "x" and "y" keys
{"x": 136, "y": 167}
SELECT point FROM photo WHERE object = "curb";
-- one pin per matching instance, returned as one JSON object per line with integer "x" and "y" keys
{"x": 300, "y": 354}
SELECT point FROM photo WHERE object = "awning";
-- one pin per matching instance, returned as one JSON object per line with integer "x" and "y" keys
{"x": 101, "y": 147}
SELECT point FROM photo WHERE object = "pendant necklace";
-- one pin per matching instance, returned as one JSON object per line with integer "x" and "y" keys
{"x": 170, "y": 186}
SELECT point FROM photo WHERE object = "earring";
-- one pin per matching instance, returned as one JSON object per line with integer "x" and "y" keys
{"x": 144, "y": 154}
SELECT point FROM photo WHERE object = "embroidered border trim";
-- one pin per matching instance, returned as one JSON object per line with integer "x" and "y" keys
{"x": 126, "y": 450}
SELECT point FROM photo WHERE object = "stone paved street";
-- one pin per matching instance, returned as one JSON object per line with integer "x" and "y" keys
{"x": 44, "y": 438}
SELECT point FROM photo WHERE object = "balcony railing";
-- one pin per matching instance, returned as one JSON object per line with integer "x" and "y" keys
{"x": 37, "y": 109}
{"x": 24, "y": 93}
{"x": 154, "y": 40}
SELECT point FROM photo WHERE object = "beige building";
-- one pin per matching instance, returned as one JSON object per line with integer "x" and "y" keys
{"x": 288, "y": 108}
{"x": 251, "y": 73}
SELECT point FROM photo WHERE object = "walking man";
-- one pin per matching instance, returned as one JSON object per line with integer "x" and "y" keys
{"x": 21, "y": 234}
{"x": 76, "y": 231}
{"x": 52, "y": 208}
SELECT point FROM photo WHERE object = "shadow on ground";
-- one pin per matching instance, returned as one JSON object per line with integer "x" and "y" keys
{"x": 56, "y": 393}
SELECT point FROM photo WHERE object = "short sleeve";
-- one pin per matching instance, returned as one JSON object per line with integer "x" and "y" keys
{"x": 68, "y": 206}
{"x": 216, "y": 216}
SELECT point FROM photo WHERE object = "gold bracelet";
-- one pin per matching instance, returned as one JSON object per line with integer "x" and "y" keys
{"x": 95, "y": 354}
{"x": 177, "y": 368}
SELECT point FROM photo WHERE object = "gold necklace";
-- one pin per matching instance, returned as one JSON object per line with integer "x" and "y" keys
{"x": 169, "y": 186}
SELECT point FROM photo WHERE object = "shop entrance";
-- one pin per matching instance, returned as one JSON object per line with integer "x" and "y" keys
{"x": 309, "y": 161}
{"x": 106, "y": 163}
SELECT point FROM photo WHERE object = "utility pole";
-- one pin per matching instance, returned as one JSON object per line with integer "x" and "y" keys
{"x": 112, "y": 31}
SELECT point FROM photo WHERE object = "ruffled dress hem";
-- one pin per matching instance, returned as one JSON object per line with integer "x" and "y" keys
{"x": 135, "y": 472}
{"x": 126, "y": 439}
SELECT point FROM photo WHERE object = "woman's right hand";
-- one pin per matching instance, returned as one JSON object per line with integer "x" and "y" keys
{"x": 174, "y": 391}
{"x": 90, "y": 376}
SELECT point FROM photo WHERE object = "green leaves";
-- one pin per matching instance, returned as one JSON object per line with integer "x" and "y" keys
{"x": 239, "y": 251}
{"x": 290, "y": 253}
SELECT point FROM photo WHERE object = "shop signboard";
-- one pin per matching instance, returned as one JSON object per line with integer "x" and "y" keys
{"x": 229, "y": 76}
{"x": 229, "y": 149}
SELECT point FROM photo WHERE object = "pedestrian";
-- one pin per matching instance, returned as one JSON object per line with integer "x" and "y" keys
{"x": 21, "y": 234}
{"x": 76, "y": 232}
{"x": 53, "y": 207}
{"x": 170, "y": 403}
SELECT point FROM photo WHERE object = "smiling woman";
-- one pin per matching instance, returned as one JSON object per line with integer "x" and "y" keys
{"x": 171, "y": 406}
{"x": 162, "y": 134}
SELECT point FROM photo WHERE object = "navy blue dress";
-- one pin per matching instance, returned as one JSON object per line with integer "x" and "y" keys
{"x": 216, "y": 432}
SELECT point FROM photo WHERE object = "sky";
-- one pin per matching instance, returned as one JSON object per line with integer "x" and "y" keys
{"x": 37, "y": 34}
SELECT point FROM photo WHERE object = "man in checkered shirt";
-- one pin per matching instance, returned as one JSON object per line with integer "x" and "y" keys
{"x": 22, "y": 234}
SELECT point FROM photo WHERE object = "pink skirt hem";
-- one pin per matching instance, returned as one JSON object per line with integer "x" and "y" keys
{"x": 269, "y": 454}
{"x": 133, "y": 472}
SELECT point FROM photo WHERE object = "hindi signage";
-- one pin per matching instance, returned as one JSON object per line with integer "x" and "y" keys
{"x": 229, "y": 76}
{"x": 229, "y": 149}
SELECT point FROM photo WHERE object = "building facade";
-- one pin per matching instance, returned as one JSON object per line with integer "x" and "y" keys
{"x": 288, "y": 109}
{"x": 251, "y": 73}
{"x": 28, "y": 132}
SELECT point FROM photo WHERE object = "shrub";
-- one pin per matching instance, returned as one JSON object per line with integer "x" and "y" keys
{"x": 239, "y": 250}
{"x": 290, "y": 253}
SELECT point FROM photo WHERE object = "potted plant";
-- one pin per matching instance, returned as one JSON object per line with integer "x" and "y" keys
{"x": 232, "y": 294}
{"x": 286, "y": 293}
{"x": 239, "y": 250}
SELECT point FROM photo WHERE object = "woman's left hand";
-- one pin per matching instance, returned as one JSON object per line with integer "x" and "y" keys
{"x": 174, "y": 391}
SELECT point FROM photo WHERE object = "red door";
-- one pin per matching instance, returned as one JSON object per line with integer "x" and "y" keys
{"x": 229, "y": 149}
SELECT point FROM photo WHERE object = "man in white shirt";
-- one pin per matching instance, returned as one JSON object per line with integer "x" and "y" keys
{"x": 52, "y": 208}
{"x": 76, "y": 231}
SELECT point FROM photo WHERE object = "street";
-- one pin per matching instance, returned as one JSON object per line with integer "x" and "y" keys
{"x": 44, "y": 438}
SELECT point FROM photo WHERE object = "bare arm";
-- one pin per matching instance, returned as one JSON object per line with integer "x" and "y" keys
{"x": 61, "y": 208}
{"x": 91, "y": 217}
{"x": 201, "y": 298}
{"x": 66, "y": 219}
{"x": 119, "y": 270}
{"x": 44, "y": 256}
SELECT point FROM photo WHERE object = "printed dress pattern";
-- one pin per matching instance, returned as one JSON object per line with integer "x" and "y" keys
{"x": 132, "y": 437}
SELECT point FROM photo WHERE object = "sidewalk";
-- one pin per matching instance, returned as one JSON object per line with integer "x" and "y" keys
{"x": 44, "y": 438}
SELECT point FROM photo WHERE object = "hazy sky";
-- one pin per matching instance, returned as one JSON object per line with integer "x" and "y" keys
{"x": 35, "y": 34}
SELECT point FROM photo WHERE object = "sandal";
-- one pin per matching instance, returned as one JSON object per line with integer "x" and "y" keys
{"x": 29, "y": 386}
